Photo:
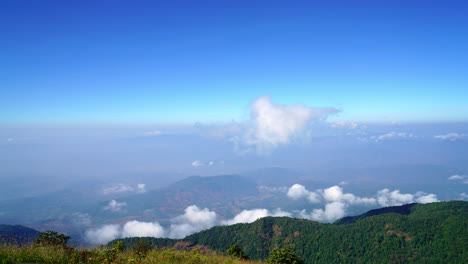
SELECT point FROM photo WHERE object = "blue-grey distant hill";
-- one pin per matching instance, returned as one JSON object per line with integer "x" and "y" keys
{"x": 17, "y": 234}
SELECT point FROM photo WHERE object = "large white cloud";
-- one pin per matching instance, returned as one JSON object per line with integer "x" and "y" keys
{"x": 193, "y": 220}
{"x": 298, "y": 191}
{"x": 249, "y": 216}
{"x": 103, "y": 234}
{"x": 275, "y": 124}
{"x": 142, "y": 229}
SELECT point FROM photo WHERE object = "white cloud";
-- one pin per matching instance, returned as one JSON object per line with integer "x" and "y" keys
{"x": 449, "y": 136}
{"x": 298, "y": 191}
{"x": 332, "y": 212}
{"x": 463, "y": 196}
{"x": 275, "y": 124}
{"x": 10, "y": 139}
{"x": 457, "y": 177}
{"x": 335, "y": 194}
{"x": 141, "y": 188}
{"x": 430, "y": 198}
{"x": 387, "y": 198}
{"x": 193, "y": 220}
{"x": 211, "y": 163}
{"x": 104, "y": 234}
{"x": 115, "y": 206}
{"x": 332, "y": 194}
{"x": 249, "y": 216}
{"x": 197, "y": 163}
{"x": 142, "y": 229}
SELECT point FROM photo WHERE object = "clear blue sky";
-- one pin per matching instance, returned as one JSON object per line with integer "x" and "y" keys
{"x": 65, "y": 62}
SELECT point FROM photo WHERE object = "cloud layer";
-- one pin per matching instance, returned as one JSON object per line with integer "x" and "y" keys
{"x": 193, "y": 220}
{"x": 336, "y": 201}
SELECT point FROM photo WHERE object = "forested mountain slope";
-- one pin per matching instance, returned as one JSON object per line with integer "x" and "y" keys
{"x": 428, "y": 233}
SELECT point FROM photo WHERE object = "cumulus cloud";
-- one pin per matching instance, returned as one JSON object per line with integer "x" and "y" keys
{"x": 457, "y": 177}
{"x": 275, "y": 124}
{"x": 332, "y": 212}
{"x": 429, "y": 198}
{"x": 115, "y": 206}
{"x": 142, "y": 229}
{"x": 193, "y": 220}
{"x": 387, "y": 198}
{"x": 332, "y": 194}
{"x": 298, "y": 191}
{"x": 103, "y": 234}
{"x": 449, "y": 136}
{"x": 134, "y": 228}
{"x": 336, "y": 201}
{"x": 249, "y": 216}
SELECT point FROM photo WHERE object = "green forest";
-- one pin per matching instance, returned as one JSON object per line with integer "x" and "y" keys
{"x": 415, "y": 233}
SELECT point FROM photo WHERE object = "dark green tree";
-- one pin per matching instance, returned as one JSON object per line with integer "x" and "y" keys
{"x": 236, "y": 251}
{"x": 51, "y": 238}
{"x": 285, "y": 255}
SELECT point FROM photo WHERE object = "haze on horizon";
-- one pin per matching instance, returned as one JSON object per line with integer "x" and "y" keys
{"x": 333, "y": 108}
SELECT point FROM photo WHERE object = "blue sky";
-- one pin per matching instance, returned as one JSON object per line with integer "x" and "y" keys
{"x": 180, "y": 62}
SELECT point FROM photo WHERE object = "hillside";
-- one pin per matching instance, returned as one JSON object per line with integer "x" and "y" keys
{"x": 17, "y": 234}
{"x": 433, "y": 233}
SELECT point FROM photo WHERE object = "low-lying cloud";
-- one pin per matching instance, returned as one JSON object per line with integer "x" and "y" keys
{"x": 336, "y": 201}
{"x": 193, "y": 220}
{"x": 115, "y": 206}
{"x": 249, "y": 216}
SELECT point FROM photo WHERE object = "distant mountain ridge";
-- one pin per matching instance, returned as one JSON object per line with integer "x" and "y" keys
{"x": 17, "y": 234}
{"x": 435, "y": 233}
